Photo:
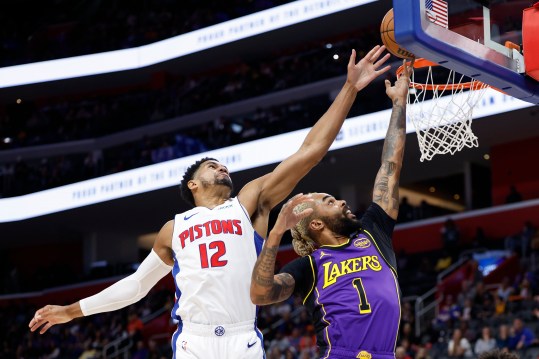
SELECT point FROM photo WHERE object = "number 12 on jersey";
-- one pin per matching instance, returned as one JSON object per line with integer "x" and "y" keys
{"x": 215, "y": 259}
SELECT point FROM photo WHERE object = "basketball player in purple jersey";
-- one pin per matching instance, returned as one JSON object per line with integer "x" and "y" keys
{"x": 212, "y": 248}
{"x": 347, "y": 273}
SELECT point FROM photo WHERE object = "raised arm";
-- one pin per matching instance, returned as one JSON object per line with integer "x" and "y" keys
{"x": 267, "y": 288}
{"x": 119, "y": 295}
{"x": 386, "y": 185}
{"x": 267, "y": 191}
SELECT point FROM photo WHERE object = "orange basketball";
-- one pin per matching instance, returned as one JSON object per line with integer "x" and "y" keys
{"x": 388, "y": 37}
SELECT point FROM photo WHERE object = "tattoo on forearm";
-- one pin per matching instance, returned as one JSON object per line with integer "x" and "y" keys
{"x": 381, "y": 188}
{"x": 392, "y": 155}
{"x": 274, "y": 287}
{"x": 282, "y": 288}
{"x": 395, "y": 195}
{"x": 265, "y": 266}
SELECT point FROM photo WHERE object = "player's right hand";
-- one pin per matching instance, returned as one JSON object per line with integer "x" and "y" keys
{"x": 289, "y": 215}
{"x": 49, "y": 316}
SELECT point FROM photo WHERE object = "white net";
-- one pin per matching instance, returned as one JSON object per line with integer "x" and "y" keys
{"x": 442, "y": 114}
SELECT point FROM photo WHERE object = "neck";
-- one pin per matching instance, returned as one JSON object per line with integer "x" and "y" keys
{"x": 211, "y": 199}
{"x": 332, "y": 239}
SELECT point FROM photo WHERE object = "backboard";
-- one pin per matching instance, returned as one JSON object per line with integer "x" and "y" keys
{"x": 462, "y": 43}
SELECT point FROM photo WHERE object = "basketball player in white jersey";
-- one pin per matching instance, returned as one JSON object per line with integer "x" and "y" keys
{"x": 212, "y": 248}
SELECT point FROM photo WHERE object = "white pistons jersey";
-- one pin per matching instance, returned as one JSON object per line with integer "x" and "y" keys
{"x": 215, "y": 251}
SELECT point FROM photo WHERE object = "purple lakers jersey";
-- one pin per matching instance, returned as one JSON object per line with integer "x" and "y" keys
{"x": 356, "y": 296}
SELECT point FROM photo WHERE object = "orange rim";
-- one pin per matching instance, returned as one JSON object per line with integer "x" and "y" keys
{"x": 422, "y": 63}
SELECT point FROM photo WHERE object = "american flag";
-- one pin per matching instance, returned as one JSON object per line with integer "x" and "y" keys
{"x": 437, "y": 12}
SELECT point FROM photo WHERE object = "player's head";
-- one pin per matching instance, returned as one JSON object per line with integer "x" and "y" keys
{"x": 204, "y": 173}
{"x": 329, "y": 214}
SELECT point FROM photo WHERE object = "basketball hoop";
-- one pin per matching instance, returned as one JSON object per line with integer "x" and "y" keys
{"x": 442, "y": 113}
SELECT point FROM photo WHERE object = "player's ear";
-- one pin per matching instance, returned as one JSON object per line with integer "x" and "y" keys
{"x": 316, "y": 225}
{"x": 192, "y": 185}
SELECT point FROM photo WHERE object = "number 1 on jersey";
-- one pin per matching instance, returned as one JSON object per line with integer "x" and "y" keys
{"x": 215, "y": 258}
{"x": 364, "y": 306}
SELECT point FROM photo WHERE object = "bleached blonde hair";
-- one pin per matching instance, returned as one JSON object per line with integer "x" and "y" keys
{"x": 301, "y": 240}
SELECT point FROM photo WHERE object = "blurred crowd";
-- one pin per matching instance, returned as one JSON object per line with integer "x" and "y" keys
{"x": 478, "y": 319}
{"x": 33, "y": 123}
{"x": 64, "y": 29}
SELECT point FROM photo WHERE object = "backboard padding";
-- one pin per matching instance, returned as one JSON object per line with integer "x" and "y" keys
{"x": 416, "y": 33}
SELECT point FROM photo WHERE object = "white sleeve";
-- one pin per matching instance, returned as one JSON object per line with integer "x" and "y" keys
{"x": 128, "y": 290}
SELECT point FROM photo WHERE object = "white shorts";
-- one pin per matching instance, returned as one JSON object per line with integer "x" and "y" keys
{"x": 227, "y": 341}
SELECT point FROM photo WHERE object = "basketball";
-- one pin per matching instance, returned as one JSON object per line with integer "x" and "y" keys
{"x": 388, "y": 37}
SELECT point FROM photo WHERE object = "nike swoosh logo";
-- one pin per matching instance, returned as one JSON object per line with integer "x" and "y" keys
{"x": 186, "y": 218}
{"x": 250, "y": 345}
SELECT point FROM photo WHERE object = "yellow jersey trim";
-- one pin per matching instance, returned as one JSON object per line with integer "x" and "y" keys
{"x": 335, "y": 245}
{"x": 314, "y": 280}
{"x": 394, "y": 272}
{"x": 325, "y": 320}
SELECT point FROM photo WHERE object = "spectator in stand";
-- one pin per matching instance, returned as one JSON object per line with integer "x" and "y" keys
{"x": 521, "y": 337}
{"x": 422, "y": 353}
{"x": 134, "y": 325}
{"x": 504, "y": 290}
{"x": 523, "y": 290}
{"x": 444, "y": 261}
{"x": 497, "y": 354}
{"x": 480, "y": 240}
{"x": 450, "y": 237}
{"x": 483, "y": 301}
{"x": 459, "y": 347}
{"x": 467, "y": 291}
{"x": 486, "y": 342}
{"x": 499, "y": 306}
{"x": 424, "y": 210}
{"x": 502, "y": 341}
{"x": 406, "y": 211}
{"x": 520, "y": 242}
{"x": 467, "y": 310}
{"x": 400, "y": 353}
{"x": 513, "y": 196}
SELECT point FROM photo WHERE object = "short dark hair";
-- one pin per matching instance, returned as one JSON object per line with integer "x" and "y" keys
{"x": 497, "y": 354}
{"x": 186, "y": 193}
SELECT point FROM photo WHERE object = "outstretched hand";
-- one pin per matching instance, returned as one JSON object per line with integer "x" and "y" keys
{"x": 289, "y": 217}
{"x": 49, "y": 316}
{"x": 367, "y": 69}
{"x": 399, "y": 91}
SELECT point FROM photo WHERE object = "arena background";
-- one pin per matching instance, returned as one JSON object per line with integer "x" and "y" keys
{"x": 55, "y": 133}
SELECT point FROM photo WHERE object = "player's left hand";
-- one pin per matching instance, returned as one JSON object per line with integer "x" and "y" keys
{"x": 400, "y": 90}
{"x": 290, "y": 215}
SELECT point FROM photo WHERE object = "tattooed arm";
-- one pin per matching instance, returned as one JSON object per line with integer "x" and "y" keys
{"x": 386, "y": 185}
{"x": 267, "y": 287}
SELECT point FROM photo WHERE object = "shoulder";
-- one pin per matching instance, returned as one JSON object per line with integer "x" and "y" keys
{"x": 376, "y": 217}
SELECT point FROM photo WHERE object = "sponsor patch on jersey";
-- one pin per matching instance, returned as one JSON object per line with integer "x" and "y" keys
{"x": 364, "y": 355}
{"x": 362, "y": 243}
